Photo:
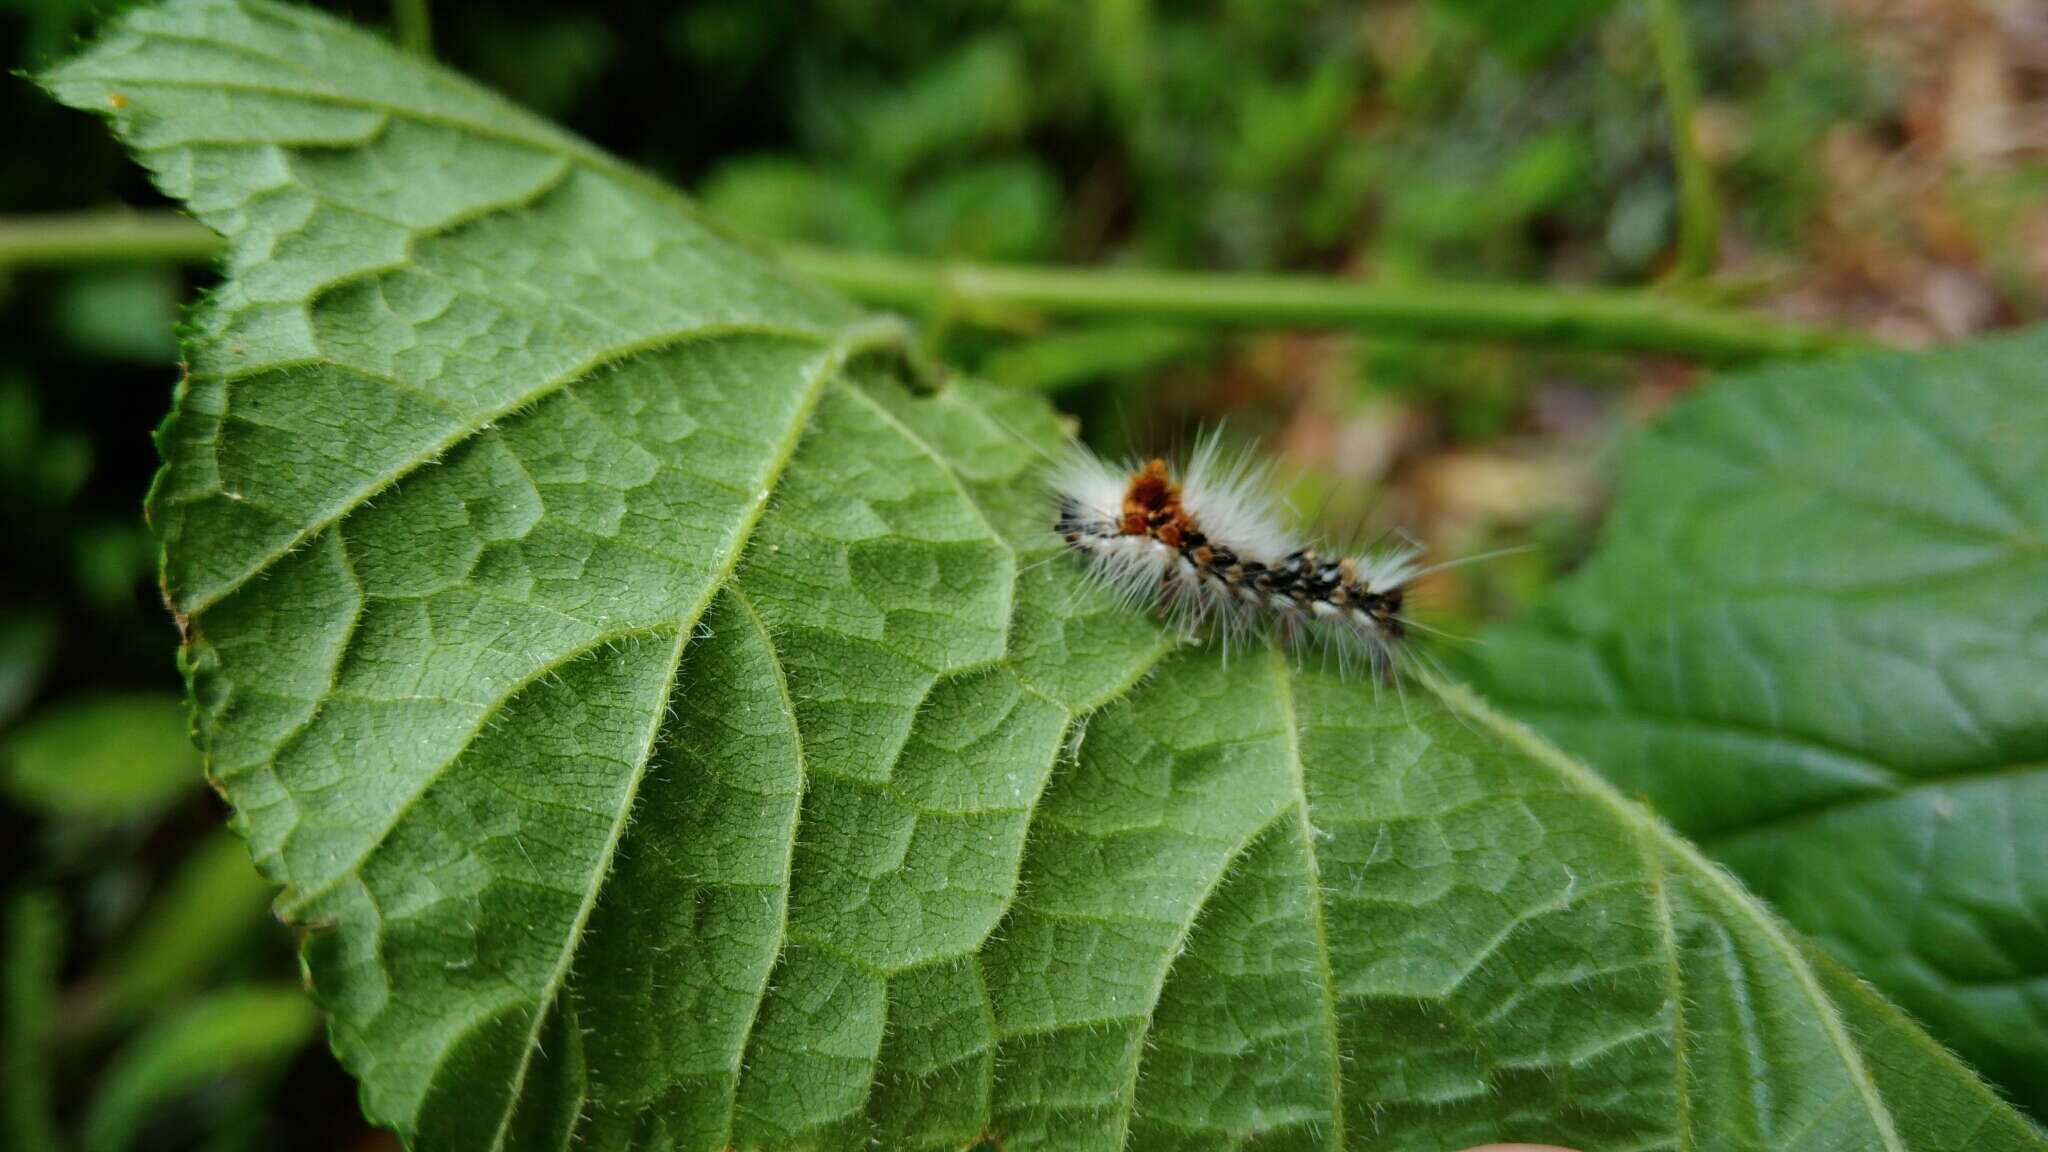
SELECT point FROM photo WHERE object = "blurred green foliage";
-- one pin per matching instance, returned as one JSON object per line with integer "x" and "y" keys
{"x": 210, "y": 905}
{"x": 101, "y": 757}
{"x": 31, "y": 952}
{"x": 241, "y": 1030}
{"x": 1526, "y": 31}
{"x": 146, "y": 997}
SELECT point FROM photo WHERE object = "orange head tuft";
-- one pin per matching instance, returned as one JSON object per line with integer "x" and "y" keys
{"x": 1152, "y": 506}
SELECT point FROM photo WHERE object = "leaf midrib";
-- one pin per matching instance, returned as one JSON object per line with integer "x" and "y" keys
{"x": 563, "y": 963}
{"x": 1326, "y": 980}
{"x": 787, "y": 704}
{"x": 1674, "y": 985}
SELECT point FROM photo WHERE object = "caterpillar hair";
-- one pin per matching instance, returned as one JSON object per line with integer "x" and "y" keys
{"x": 1208, "y": 550}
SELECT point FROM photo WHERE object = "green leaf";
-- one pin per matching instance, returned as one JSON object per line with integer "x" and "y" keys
{"x": 774, "y": 197}
{"x": 109, "y": 756}
{"x": 119, "y": 313}
{"x": 977, "y": 94}
{"x": 1814, "y": 639}
{"x": 204, "y": 916}
{"x": 996, "y": 210}
{"x": 679, "y": 730}
{"x": 235, "y": 1032}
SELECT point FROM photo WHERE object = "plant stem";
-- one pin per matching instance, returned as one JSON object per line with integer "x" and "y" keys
{"x": 1599, "y": 319}
{"x": 415, "y": 27}
{"x": 1619, "y": 320}
{"x": 104, "y": 238}
{"x": 1699, "y": 208}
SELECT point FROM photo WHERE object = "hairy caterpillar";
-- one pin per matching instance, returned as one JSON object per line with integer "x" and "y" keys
{"x": 1208, "y": 550}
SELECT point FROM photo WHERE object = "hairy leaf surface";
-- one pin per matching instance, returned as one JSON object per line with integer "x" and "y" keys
{"x": 1816, "y": 640}
{"x": 675, "y": 729}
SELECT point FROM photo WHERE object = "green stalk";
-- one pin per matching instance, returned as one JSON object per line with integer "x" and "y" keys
{"x": 118, "y": 237}
{"x": 1699, "y": 207}
{"x": 414, "y": 27}
{"x": 1596, "y": 319}
{"x": 1601, "y": 319}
